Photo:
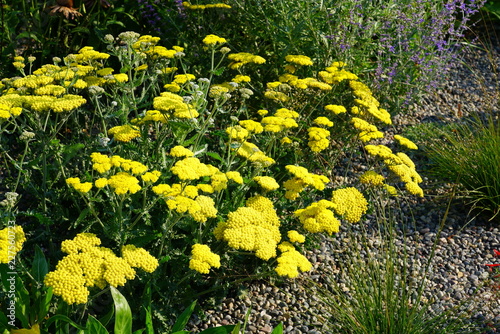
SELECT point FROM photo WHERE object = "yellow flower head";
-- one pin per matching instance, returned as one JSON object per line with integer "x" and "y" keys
{"x": 125, "y": 133}
{"x": 175, "y": 105}
{"x": 237, "y": 133}
{"x": 406, "y": 142}
{"x": 254, "y": 227}
{"x": 180, "y": 152}
{"x": 252, "y": 126}
{"x": 190, "y": 168}
{"x": 139, "y": 258}
{"x": 12, "y": 239}
{"x": 295, "y": 236}
{"x": 318, "y": 217}
{"x": 234, "y": 176}
{"x": 349, "y": 203}
{"x": 323, "y": 121}
{"x": 88, "y": 265}
{"x": 207, "y": 209}
{"x": 291, "y": 261}
{"x": 372, "y": 178}
{"x": 151, "y": 177}
{"x": 212, "y": 40}
{"x": 267, "y": 183}
{"x": 202, "y": 259}
{"x": 299, "y": 60}
{"x": 123, "y": 183}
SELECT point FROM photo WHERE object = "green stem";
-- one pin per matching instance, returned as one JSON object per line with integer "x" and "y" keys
{"x": 166, "y": 229}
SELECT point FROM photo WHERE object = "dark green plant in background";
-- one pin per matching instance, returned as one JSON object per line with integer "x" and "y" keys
{"x": 30, "y": 29}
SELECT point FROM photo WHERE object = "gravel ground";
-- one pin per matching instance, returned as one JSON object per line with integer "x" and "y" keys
{"x": 466, "y": 242}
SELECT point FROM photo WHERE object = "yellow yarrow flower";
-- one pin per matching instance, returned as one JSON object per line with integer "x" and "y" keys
{"x": 101, "y": 182}
{"x": 372, "y": 178}
{"x": 123, "y": 183}
{"x": 207, "y": 209}
{"x": 336, "y": 109}
{"x": 318, "y": 139}
{"x": 406, "y": 142}
{"x": 295, "y": 236}
{"x": 278, "y": 96}
{"x": 202, "y": 259}
{"x": 414, "y": 188}
{"x": 75, "y": 183}
{"x": 151, "y": 177}
{"x": 88, "y": 265}
{"x": 254, "y": 227}
{"x": 124, "y": 133}
{"x": 174, "y": 104}
{"x": 318, "y": 217}
{"x": 235, "y": 176}
{"x": 252, "y": 126}
{"x": 323, "y": 121}
{"x": 181, "y": 79}
{"x": 139, "y": 258}
{"x": 212, "y": 40}
{"x": 12, "y": 239}
{"x": 100, "y": 162}
{"x": 180, "y": 152}
{"x": 290, "y": 261}
{"x": 251, "y": 152}
{"x": 81, "y": 243}
{"x": 349, "y": 203}
{"x": 242, "y": 58}
{"x": 241, "y": 78}
{"x": 237, "y": 133}
{"x": 267, "y": 183}
{"x": 299, "y": 60}
{"x": 191, "y": 168}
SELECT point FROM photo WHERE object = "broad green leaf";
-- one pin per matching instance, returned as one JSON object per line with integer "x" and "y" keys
{"x": 236, "y": 329}
{"x": 94, "y": 326}
{"x": 22, "y": 302}
{"x": 70, "y": 151}
{"x": 123, "y": 314}
{"x": 107, "y": 318}
{"x": 44, "y": 306}
{"x": 221, "y": 330}
{"x": 4, "y": 322}
{"x": 278, "y": 329}
{"x": 63, "y": 319}
{"x": 147, "y": 309}
{"x": 40, "y": 267}
{"x": 184, "y": 318}
{"x": 215, "y": 156}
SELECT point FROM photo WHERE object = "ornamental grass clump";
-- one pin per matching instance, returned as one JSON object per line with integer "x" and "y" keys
{"x": 379, "y": 289}
{"x": 467, "y": 154}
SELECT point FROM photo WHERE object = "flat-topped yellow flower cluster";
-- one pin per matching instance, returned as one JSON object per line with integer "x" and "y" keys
{"x": 88, "y": 265}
